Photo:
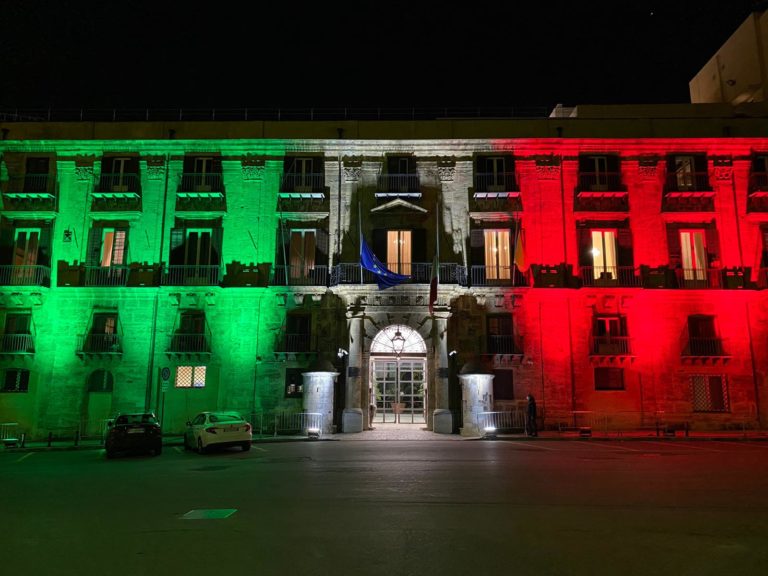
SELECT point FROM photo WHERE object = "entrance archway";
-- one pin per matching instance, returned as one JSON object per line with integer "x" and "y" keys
{"x": 398, "y": 379}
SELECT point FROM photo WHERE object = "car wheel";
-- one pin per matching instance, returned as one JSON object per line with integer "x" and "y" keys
{"x": 200, "y": 449}
{"x": 246, "y": 446}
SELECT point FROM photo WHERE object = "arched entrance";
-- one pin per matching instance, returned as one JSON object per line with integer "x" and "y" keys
{"x": 398, "y": 379}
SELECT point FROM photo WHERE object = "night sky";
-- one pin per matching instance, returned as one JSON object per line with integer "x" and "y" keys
{"x": 158, "y": 54}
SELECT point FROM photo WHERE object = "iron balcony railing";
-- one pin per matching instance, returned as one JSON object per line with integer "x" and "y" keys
{"x": 185, "y": 343}
{"x": 25, "y": 275}
{"x": 17, "y": 344}
{"x": 610, "y": 346}
{"x": 200, "y": 184}
{"x": 600, "y": 182}
{"x": 178, "y": 275}
{"x": 119, "y": 184}
{"x": 688, "y": 182}
{"x": 295, "y": 343}
{"x": 395, "y": 184}
{"x": 610, "y": 276}
{"x": 504, "y": 344}
{"x": 700, "y": 346}
{"x": 106, "y": 275}
{"x": 33, "y": 184}
{"x": 699, "y": 278}
{"x": 497, "y": 276}
{"x": 419, "y": 272}
{"x": 300, "y": 276}
{"x": 95, "y": 343}
{"x": 495, "y": 182}
{"x": 302, "y": 182}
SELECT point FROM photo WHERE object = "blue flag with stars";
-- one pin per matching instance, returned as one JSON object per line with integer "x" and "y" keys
{"x": 384, "y": 278}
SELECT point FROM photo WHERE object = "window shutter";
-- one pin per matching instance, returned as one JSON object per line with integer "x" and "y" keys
{"x": 477, "y": 247}
{"x": 321, "y": 247}
{"x": 585, "y": 247}
{"x": 44, "y": 250}
{"x": 419, "y": 245}
{"x": 380, "y": 244}
{"x": 216, "y": 165}
{"x": 712, "y": 239}
{"x": 217, "y": 237}
{"x": 700, "y": 164}
{"x": 189, "y": 164}
{"x": 177, "y": 246}
{"x": 6, "y": 243}
{"x": 93, "y": 255}
{"x": 673, "y": 246}
{"x": 624, "y": 241}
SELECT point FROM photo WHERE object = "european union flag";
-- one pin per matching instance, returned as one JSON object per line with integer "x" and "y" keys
{"x": 384, "y": 278}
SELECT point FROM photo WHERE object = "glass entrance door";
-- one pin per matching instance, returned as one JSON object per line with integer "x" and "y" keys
{"x": 399, "y": 387}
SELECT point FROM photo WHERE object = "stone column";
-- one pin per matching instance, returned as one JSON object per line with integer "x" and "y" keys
{"x": 352, "y": 417}
{"x": 476, "y": 397}
{"x": 318, "y": 392}
{"x": 442, "y": 420}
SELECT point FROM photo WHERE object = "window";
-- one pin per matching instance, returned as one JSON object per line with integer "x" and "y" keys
{"x": 302, "y": 253}
{"x": 599, "y": 173}
{"x": 294, "y": 382}
{"x": 101, "y": 381}
{"x": 609, "y": 378}
{"x": 190, "y": 376}
{"x": 500, "y": 337}
{"x": 684, "y": 172}
{"x": 702, "y": 335}
{"x": 27, "y": 242}
{"x": 494, "y": 174}
{"x": 694, "y": 254}
{"x": 610, "y": 335}
{"x": 119, "y": 174}
{"x": 497, "y": 254}
{"x": 36, "y": 178}
{"x": 710, "y": 393}
{"x": 199, "y": 249}
{"x": 298, "y": 332}
{"x": 16, "y": 380}
{"x": 604, "y": 254}
{"x": 399, "y": 251}
{"x": 202, "y": 174}
{"x": 112, "y": 247}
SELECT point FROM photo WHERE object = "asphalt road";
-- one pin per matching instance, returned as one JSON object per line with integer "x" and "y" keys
{"x": 368, "y": 508}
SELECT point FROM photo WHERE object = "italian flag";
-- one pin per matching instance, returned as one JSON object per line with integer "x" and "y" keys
{"x": 433, "y": 286}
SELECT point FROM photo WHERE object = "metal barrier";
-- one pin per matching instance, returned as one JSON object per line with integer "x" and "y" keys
{"x": 298, "y": 423}
{"x": 10, "y": 435}
{"x": 501, "y": 421}
{"x": 584, "y": 422}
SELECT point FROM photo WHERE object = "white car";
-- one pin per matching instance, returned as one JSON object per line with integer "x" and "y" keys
{"x": 217, "y": 429}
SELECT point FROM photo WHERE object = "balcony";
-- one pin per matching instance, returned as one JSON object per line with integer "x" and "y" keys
{"x": 757, "y": 201}
{"x": 690, "y": 192}
{"x": 308, "y": 185}
{"x": 31, "y": 192}
{"x": 106, "y": 275}
{"x": 176, "y": 275}
{"x": 104, "y": 345}
{"x": 300, "y": 276}
{"x": 609, "y": 277}
{"x": 190, "y": 344}
{"x": 699, "y": 278}
{"x": 609, "y": 346}
{"x": 25, "y": 275}
{"x": 398, "y": 186}
{"x": 117, "y": 192}
{"x": 17, "y": 344}
{"x": 201, "y": 193}
{"x": 497, "y": 276}
{"x": 419, "y": 272}
{"x": 295, "y": 343}
{"x": 601, "y": 192}
{"x": 504, "y": 350}
{"x": 703, "y": 350}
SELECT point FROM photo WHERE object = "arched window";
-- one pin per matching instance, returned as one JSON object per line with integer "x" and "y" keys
{"x": 100, "y": 381}
{"x": 398, "y": 339}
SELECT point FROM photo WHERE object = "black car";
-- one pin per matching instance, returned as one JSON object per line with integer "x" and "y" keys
{"x": 134, "y": 432}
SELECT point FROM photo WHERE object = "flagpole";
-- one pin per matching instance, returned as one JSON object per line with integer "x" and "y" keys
{"x": 360, "y": 228}
{"x": 514, "y": 249}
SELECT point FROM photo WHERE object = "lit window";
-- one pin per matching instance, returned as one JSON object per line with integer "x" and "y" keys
{"x": 190, "y": 376}
{"x": 112, "y": 247}
{"x": 497, "y": 255}
{"x": 604, "y": 253}
{"x": 399, "y": 251}
{"x": 694, "y": 254}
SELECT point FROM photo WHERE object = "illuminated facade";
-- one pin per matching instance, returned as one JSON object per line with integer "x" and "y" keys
{"x": 608, "y": 266}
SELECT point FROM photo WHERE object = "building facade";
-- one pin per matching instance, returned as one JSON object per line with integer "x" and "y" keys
{"x": 612, "y": 266}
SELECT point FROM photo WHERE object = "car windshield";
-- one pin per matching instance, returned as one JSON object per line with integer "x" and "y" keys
{"x": 136, "y": 419}
{"x": 224, "y": 418}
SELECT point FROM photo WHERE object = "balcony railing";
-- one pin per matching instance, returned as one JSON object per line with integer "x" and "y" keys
{"x": 25, "y": 276}
{"x": 688, "y": 183}
{"x": 17, "y": 344}
{"x": 495, "y": 202}
{"x": 503, "y": 344}
{"x": 497, "y": 276}
{"x": 600, "y": 182}
{"x": 398, "y": 185}
{"x": 193, "y": 184}
{"x": 106, "y": 275}
{"x": 610, "y": 276}
{"x": 31, "y": 192}
{"x": 93, "y": 343}
{"x": 610, "y": 346}
{"x": 295, "y": 343}
{"x": 698, "y": 346}
{"x": 420, "y": 273}
{"x": 699, "y": 278}
{"x": 303, "y": 183}
{"x": 184, "y": 343}
{"x": 177, "y": 275}
{"x": 300, "y": 276}
{"x": 118, "y": 185}
{"x": 492, "y": 183}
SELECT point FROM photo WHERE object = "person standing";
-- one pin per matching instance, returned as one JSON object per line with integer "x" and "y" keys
{"x": 530, "y": 417}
